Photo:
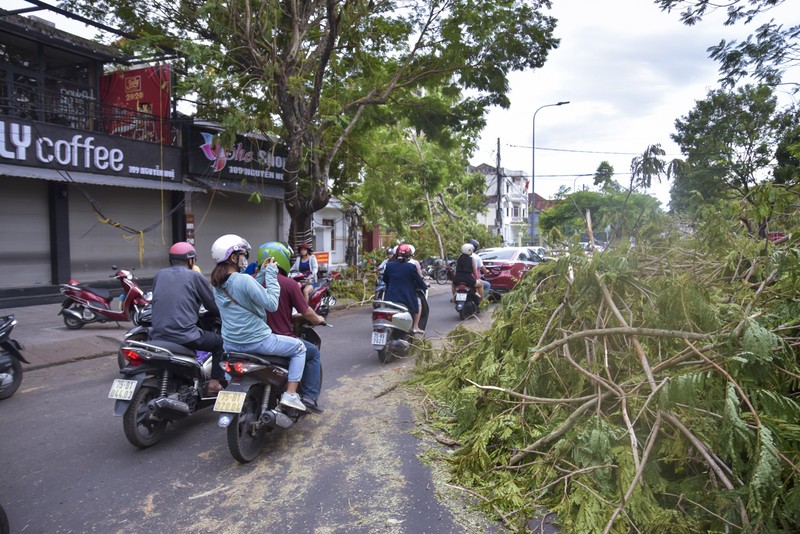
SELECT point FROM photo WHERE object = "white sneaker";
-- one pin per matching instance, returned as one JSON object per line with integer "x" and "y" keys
{"x": 292, "y": 400}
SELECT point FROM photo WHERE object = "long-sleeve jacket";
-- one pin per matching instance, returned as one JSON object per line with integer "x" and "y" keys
{"x": 245, "y": 322}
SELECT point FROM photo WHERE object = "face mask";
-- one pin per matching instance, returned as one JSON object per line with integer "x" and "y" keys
{"x": 243, "y": 266}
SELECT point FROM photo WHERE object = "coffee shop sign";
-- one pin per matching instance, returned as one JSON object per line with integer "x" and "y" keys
{"x": 219, "y": 156}
{"x": 80, "y": 152}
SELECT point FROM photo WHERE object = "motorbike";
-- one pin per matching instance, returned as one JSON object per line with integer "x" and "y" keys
{"x": 84, "y": 304}
{"x": 250, "y": 405}
{"x": 321, "y": 297}
{"x": 141, "y": 331}
{"x": 467, "y": 300}
{"x": 392, "y": 332}
{"x": 11, "y": 359}
{"x": 162, "y": 382}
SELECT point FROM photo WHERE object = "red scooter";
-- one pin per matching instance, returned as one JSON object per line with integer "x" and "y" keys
{"x": 84, "y": 304}
{"x": 321, "y": 299}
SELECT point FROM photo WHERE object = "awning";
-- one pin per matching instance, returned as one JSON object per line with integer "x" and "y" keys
{"x": 89, "y": 178}
{"x": 269, "y": 190}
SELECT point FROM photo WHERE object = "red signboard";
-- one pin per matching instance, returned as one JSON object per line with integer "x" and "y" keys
{"x": 136, "y": 103}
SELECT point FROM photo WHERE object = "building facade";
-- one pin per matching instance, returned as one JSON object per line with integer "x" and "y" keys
{"x": 507, "y": 201}
{"x": 98, "y": 169}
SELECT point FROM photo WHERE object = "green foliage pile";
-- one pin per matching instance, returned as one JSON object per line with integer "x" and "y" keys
{"x": 646, "y": 389}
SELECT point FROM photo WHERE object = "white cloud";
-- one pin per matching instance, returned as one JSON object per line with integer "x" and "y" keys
{"x": 629, "y": 71}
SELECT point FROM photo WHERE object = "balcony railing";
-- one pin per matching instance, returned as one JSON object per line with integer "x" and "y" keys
{"x": 84, "y": 112}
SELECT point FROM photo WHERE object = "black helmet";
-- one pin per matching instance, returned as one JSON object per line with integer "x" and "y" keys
{"x": 475, "y": 244}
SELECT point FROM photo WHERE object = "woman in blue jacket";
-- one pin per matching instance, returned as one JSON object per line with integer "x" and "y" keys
{"x": 242, "y": 301}
{"x": 402, "y": 281}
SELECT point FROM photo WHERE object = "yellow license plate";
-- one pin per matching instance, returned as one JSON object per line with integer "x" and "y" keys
{"x": 122, "y": 389}
{"x": 230, "y": 401}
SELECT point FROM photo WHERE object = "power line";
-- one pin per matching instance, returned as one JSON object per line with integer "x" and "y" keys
{"x": 584, "y": 151}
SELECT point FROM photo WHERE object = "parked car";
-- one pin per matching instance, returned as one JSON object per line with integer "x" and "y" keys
{"x": 507, "y": 265}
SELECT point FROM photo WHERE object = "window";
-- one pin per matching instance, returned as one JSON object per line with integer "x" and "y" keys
{"x": 516, "y": 211}
{"x": 330, "y": 223}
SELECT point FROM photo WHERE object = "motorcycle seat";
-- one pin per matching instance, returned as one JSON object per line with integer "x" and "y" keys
{"x": 174, "y": 348}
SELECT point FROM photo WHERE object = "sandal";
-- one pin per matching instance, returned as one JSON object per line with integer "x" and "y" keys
{"x": 418, "y": 331}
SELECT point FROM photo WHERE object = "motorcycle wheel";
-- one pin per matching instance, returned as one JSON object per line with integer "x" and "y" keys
{"x": 142, "y": 428}
{"x": 72, "y": 323}
{"x": 16, "y": 379}
{"x": 441, "y": 276}
{"x": 121, "y": 361}
{"x": 244, "y": 442}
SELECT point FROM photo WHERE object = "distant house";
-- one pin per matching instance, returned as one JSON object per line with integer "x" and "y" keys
{"x": 510, "y": 216}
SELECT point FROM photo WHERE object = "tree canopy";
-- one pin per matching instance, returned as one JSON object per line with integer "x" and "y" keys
{"x": 316, "y": 72}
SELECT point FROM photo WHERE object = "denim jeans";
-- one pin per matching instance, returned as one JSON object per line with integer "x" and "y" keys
{"x": 312, "y": 375}
{"x": 276, "y": 345}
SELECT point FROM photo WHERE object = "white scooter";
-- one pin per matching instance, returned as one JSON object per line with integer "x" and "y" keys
{"x": 392, "y": 332}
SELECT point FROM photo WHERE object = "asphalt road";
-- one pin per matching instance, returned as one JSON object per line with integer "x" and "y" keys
{"x": 67, "y": 467}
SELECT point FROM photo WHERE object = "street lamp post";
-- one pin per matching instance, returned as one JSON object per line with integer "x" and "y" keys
{"x": 532, "y": 212}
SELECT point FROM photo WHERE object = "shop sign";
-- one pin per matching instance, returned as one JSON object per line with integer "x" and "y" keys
{"x": 49, "y": 146}
{"x": 250, "y": 158}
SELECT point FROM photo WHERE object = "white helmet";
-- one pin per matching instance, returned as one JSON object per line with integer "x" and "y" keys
{"x": 413, "y": 250}
{"x": 226, "y": 245}
{"x": 467, "y": 249}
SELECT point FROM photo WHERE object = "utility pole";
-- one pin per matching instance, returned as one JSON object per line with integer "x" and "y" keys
{"x": 499, "y": 218}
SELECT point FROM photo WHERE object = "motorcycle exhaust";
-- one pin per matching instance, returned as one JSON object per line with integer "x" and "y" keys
{"x": 399, "y": 346}
{"x": 77, "y": 315}
{"x": 163, "y": 406}
{"x": 282, "y": 420}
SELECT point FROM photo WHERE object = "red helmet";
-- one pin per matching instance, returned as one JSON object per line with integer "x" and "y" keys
{"x": 182, "y": 251}
{"x": 306, "y": 246}
{"x": 403, "y": 252}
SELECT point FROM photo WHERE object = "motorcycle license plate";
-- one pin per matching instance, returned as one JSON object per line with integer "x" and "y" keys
{"x": 122, "y": 389}
{"x": 379, "y": 338}
{"x": 230, "y": 401}
{"x": 461, "y": 297}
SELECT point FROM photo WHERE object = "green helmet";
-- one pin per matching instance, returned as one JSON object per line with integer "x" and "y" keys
{"x": 279, "y": 251}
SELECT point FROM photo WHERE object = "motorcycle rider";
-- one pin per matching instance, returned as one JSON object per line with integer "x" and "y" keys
{"x": 479, "y": 261}
{"x": 280, "y": 321}
{"x": 389, "y": 257}
{"x": 402, "y": 280}
{"x": 466, "y": 270}
{"x": 243, "y": 302}
{"x": 178, "y": 293}
{"x": 306, "y": 264}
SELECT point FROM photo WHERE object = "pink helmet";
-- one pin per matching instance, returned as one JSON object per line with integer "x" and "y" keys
{"x": 403, "y": 252}
{"x": 182, "y": 251}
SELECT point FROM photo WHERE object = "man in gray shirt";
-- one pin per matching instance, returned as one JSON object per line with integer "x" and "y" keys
{"x": 178, "y": 292}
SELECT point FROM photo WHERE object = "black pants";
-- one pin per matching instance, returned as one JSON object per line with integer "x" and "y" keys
{"x": 210, "y": 342}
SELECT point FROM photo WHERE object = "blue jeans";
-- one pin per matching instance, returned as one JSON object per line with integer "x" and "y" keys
{"x": 276, "y": 345}
{"x": 312, "y": 374}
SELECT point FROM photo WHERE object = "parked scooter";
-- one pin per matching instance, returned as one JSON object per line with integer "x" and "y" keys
{"x": 11, "y": 359}
{"x": 392, "y": 332}
{"x": 84, "y": 304}
{"x": 250, "y": 406}
{"x": 163, "y": 382}
{"x": 467, "y": 301}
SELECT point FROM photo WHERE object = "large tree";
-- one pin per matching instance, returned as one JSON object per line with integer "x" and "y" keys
{"x": 318, "y": 72}
{"x": 729, "y": 139}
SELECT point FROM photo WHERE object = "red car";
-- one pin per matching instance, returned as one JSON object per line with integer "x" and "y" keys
{"x": 507, "y": 265}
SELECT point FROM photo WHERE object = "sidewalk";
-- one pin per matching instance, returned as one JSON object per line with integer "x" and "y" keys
{"x": 47, "y": 342}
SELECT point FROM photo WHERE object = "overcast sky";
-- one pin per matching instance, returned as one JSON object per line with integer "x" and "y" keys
{"x": 629, "y": 70}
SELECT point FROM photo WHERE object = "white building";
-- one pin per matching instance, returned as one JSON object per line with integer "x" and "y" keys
{"x": 511, "y": 221}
